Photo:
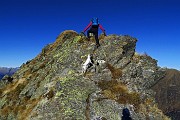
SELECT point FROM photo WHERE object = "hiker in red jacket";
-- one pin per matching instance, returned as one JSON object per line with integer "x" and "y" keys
{"x": 94, "y": 24}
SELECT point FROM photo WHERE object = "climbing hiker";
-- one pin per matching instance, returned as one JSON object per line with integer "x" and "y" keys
{"x": 126, "y": 114}
{"x": 94, "y": 25}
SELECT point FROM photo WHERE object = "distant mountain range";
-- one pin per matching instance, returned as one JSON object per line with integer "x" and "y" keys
{"x": 168, "y": 95}
{"x": 7, "y": 71}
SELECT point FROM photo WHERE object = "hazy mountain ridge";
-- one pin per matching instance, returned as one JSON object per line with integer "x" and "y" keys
{"x": 168, "y": 93}
{"x": 7, "y": 71}
{"x": 52, "y": 86}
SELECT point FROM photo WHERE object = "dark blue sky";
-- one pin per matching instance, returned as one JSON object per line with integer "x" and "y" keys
{"x": 26, "y": 26}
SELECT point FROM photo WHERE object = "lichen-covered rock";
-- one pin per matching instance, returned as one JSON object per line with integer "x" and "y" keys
{"x": 52, "y": 86}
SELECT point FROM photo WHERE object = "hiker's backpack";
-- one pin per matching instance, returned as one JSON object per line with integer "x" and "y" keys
{"x": 95, "y": 21}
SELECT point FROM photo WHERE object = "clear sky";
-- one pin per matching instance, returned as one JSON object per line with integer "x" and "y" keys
{"x": 26, "y": 26}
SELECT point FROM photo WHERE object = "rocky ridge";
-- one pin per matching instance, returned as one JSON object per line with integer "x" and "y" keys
{"x": 52, "y": 86}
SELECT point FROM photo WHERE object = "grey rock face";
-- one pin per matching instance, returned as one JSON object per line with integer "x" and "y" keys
{"x": 52, "y": 86}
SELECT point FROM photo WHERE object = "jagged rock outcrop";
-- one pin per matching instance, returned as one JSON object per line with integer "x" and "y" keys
{"x": 52, "y": 86}
{"x": 168, "y": 95}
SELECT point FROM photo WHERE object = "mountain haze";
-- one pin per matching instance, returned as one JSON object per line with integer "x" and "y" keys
{"x": 7, "y": 71}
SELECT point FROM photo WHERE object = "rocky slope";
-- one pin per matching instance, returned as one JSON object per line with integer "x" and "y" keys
{"x": 52, "y": 85}
{"x": 168, "y": 93}
{"x": 7, "y": 71}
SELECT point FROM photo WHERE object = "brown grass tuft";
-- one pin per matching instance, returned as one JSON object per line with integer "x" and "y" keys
{"x": 28, "y": 108}
{"x": 116, "y": 72}
{"x": 13, "y": 87}
{"x": 20, "y": 107}
{"x": 21, "y": 110}
{"x": 119, "y": 92}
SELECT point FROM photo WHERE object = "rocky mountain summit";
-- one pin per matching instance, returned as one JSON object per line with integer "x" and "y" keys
{"x": 52, "y": 86}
